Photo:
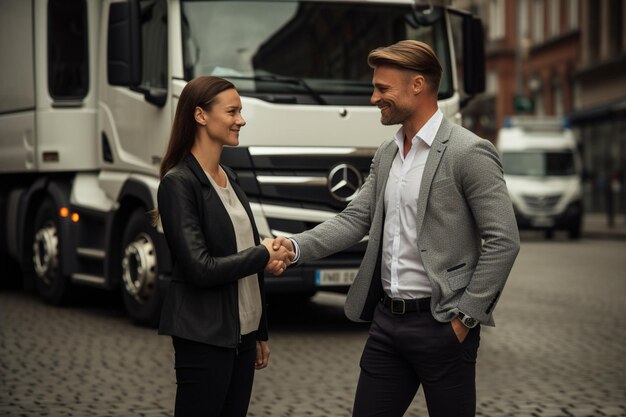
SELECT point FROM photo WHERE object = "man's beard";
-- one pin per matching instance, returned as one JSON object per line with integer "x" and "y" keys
{"x": 394, "y": 115}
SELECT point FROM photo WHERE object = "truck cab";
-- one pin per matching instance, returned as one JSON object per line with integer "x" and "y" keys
{"x": 92, "y": 86}
{"x": 543, "y": 172}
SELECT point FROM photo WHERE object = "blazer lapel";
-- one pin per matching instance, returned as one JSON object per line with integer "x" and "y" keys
{"x": 197, "y": 170}
{"x": 384, "y": 166}
{"x": 432, "y": 162}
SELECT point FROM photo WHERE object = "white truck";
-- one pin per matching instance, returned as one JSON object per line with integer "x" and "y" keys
{"x": 543, "y": 172}
{"x": 88, "y": 91}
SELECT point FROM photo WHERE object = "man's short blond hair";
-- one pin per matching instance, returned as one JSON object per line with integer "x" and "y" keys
{"x": 410, "y": 55}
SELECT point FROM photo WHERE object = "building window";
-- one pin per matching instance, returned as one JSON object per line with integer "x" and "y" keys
{"x": 538, "y": 22}
{"x": 555, "y": 18}
{"x": 523, "y": 18}
{"x": 496, "y": 19}
{"x": 593, "y": 34}
{"x": 557, "y": 97}
{"x": 540, "y": 108}
{"x": 615, "y": 26}
{"x": 68, "y": 58}
{"x": 491, "y": 84}
{"x": 573, "y": 14}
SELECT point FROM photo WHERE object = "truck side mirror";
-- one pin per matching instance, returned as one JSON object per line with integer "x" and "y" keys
{"x": 473, "y": 55}
{"x": 124, "y": 44}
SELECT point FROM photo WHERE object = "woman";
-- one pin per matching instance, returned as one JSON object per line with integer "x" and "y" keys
{"x": 214, "y": 308}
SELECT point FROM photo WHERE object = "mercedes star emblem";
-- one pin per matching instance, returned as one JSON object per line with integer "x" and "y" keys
{"x": 344, "y": 182}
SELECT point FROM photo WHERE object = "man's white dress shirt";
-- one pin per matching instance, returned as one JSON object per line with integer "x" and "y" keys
{"x": 402, "y": 269}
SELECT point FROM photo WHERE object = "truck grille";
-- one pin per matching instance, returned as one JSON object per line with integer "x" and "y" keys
{"x": 318, "y": 178}
{"x": 541, "y": 202}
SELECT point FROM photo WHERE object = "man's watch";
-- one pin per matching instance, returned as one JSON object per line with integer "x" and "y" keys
{"x": 467, "y": 321}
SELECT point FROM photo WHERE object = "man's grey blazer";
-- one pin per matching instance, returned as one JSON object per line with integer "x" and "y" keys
{"x": 468, "y": 237}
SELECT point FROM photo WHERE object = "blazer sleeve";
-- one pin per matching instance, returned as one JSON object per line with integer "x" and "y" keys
{"x": 182, "y": 226}
{"x": 346, "y": 228}
{"x": 485, "y": 190}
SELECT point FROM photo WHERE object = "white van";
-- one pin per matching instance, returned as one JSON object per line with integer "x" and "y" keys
{"x": 543, "y": 172}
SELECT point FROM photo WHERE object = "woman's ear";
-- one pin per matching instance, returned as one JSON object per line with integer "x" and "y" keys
{"x": 200, "y": 116}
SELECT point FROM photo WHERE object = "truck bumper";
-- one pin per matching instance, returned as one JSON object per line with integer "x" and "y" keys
{"x": 314, "y": 276}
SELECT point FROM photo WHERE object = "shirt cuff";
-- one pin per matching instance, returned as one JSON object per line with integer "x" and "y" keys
{"x": 296, "y": 249}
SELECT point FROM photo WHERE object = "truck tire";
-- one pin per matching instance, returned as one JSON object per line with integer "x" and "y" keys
{"x": 140, "y": 289}
{"x": 52, "y": 286}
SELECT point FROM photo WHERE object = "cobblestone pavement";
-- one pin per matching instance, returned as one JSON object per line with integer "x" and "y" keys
{"x": 559, "y": 349}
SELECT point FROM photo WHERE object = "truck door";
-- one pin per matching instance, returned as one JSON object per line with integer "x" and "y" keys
{"x": 135, "y": 120}
{"x": 17, "y": 88}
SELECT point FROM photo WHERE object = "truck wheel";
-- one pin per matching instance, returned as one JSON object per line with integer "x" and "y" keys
{"x": 52, "y": 286}
{"x": 140, "y": 271}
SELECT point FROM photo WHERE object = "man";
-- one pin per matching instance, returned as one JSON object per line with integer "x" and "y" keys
{"x": 442, "y": 241}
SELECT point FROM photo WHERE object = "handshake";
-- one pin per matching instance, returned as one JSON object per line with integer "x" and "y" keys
{"x": 281, "y": 253}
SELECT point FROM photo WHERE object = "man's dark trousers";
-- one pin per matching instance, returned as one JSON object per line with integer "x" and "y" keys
{"x": 406, "y": 350}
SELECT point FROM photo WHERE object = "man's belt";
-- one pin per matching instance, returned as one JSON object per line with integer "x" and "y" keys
{"x": 402, "y": 306}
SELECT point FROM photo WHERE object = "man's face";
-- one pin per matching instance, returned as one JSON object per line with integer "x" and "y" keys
{"x": 392, "y": 94}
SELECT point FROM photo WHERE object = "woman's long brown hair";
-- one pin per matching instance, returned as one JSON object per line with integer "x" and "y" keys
{"x": 199, "y": 92}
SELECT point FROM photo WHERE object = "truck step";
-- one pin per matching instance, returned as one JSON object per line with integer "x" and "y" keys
{"x": 91, "y": 253}
{"x": 86, "y": 278}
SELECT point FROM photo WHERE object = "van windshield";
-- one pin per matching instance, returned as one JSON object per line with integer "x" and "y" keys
{"x": 539, "y": 163}
{"x": 309, "y": 52}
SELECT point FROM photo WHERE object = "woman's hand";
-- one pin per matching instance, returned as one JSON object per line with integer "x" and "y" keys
{"x": 262, "y": 355}
{"x": 279, "y": 260}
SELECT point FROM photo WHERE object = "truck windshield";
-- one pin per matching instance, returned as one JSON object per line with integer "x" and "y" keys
{"x": 539, "y": 163}
{"x": 303, "y": 52}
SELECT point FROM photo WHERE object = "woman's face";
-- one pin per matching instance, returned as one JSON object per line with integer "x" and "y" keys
{"x": 224, "y": 119}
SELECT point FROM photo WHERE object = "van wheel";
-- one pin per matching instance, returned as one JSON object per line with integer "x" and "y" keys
{"x": 140, "y": 290}
{"x": 549, "y": 234}
{"x": 574, "y": 232}
{"x": 52, "y": 286}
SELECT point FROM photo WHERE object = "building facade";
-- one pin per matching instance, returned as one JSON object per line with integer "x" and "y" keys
{"x": 560, "y": 58}
{"x": 599, "y": 114}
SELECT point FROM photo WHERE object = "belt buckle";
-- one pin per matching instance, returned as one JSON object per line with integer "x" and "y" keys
{"x": 398, "y": 306}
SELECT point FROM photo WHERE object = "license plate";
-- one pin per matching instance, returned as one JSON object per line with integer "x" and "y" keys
{"x": 542, "y": 221}
{"x": 328, "y": 277}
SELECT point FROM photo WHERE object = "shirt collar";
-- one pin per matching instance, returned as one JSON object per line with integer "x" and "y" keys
{"x": 427, "y": 133}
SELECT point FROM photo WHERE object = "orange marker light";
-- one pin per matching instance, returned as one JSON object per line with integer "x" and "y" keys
{"x": 75, "y": 217}
{"x": 64, "y": 212}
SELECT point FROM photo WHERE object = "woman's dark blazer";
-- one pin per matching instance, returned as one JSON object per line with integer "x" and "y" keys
{"x": 201, "y": 303}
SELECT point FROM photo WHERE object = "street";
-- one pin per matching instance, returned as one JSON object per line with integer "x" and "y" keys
{"x": 559, "y": 349}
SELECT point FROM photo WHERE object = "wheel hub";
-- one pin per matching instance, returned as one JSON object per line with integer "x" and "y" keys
{"x": 46, "y": 253}
{"x": 139, "y": 268}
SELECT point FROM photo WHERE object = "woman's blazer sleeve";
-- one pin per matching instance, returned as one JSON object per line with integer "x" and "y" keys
{"x": 182, "y": 226}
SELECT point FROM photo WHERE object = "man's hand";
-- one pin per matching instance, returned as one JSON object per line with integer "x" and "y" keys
{"x": 460, "y": 330}
{"x": 280, "y": 258}
{"x": 284, "y": 242}
{"x": 262, "y": 355}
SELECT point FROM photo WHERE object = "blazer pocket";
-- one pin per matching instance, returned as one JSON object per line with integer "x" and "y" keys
{"x": 454, "y": 268}
{"x": 446, "y": 182}
{"x": 458, "y": 280}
